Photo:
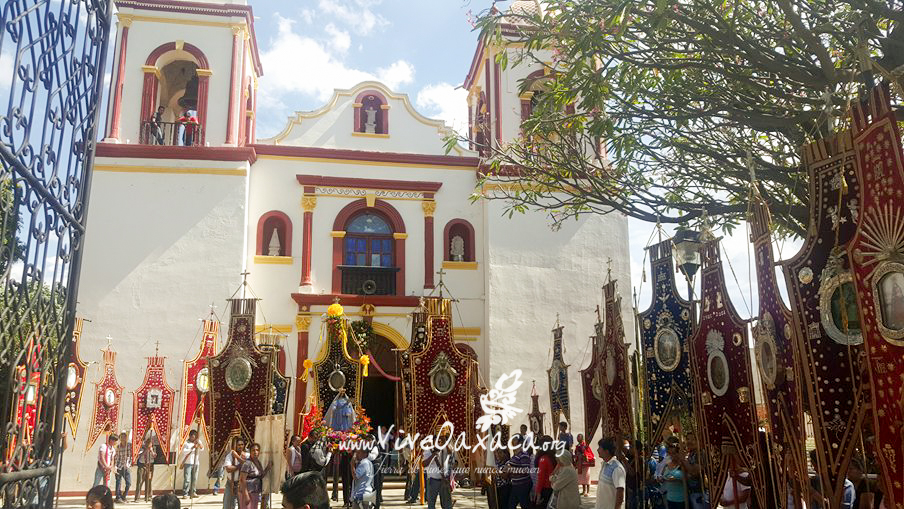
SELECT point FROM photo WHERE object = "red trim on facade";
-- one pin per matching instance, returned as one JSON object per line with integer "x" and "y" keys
{"x": 281, "y": 360}
{"x": 301, "y": 387}
{"x": 203, "y": 88}
{"x": 233, "y": 93}
{"x": 149, "y": 96}
{"x": 287, "y": 223}
{"x": 306, "y": 300}
{"x": 203, "y": 8}
{"x": 306, "y": 239}
{"x": 118, "y": 150}
{"x": 189, "y": 48}
{"x": 364, "y": 155}
{"x": 428, "y": 253}
{"x": 398, "y": 226}
{"x": 507, "y": 170}
{"x": 470, "y": 249}
{"x": 401, "y": 185}
{"x": 252, "y": 136}
{"x": 498, "y": 101}
{"x": 475, "y": 63}
{"x": 487, "y": 136}
{"x": 117, "y": 89}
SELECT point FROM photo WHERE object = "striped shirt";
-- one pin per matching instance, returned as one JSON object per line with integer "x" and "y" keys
{"x": 123, "y": 455}
{"x": 519, "y": 465}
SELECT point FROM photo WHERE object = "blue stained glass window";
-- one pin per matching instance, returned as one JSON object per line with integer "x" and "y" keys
{"x": 369, "y": 223}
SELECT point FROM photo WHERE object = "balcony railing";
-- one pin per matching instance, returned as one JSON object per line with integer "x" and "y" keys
{"x": 170, "y": 133}
{"x": 363, "y": 280}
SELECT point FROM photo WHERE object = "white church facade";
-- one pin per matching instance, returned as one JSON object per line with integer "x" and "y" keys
{"x": 358, "y": 200}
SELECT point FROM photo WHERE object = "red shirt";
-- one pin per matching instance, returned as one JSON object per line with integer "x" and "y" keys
{"x": 544, "y": 469}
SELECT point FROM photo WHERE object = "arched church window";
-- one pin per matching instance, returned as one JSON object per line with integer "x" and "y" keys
{"x": 371, "y": 113}
{"x": 458, "y": 240}
{"x": 274, "y": 234}
{"x": 368, "y": 241}
{"x": 174, "y": 96}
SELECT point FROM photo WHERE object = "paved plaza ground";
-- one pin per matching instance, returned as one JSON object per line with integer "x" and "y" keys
{"x": 465, "y": 498}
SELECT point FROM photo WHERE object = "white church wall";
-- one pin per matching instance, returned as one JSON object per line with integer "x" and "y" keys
{"x": 160, "y": 248}
{"x": 535, "y": 273}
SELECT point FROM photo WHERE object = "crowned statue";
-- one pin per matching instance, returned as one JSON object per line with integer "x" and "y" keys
{"x": 341, "y": 414}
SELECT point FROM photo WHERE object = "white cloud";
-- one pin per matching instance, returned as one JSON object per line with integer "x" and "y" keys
{"x": 340, "y": 41}
{"x": 398, "y": 73}
{"x": 446, "y": 102}
{"x": 300, "y": 64}
{"x": 356, "y": 14}
{"x": 307, "y": 15}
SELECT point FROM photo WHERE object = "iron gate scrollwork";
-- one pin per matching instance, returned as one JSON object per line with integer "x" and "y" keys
{"x": 52, "y": 55}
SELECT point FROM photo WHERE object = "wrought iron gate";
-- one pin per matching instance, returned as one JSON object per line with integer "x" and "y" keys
{"x": 52, "y": 55}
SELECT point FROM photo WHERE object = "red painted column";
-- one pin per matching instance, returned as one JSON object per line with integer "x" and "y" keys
{"x": 237, "y": 44}
{"x": 308, "y": 202}
{"x": 120, "y": 78}
{"x": 148, "y": 100}
{"x": 252, "y": 135}
{"x": 498, "y": 100}
{"x": 429, "y": 207}
{"x": 338, "y": 238}
{"x": 303, "y": 324}
{"x": 400, "y": 261}
{"x": 203, "y": 88}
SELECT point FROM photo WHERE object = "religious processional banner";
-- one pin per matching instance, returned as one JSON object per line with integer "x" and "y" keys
{"x": 617, "y": 416}
{"x": 665, "y": 333}
{"x": 723, "y": 380}
{"x": 824, "y": 306}
{"x": 269, "y": 432}
{"x": 877, "y": 259}
{"x": 335, "y": 369}
{"x": 28, "y": 402}
{"x": 152, "y": 407}
{"x": 592, "y": 383}
{"x": 107, "y": 398}
{"x": 196, "y": 385}
{"x": 75, "y": 380}
{"x": 774, "y": 339}
{"x": 558, "y": 381}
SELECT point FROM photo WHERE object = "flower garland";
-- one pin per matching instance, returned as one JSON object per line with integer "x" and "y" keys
{"x": 364, "y": 331}
{"x": 334, "y": 438}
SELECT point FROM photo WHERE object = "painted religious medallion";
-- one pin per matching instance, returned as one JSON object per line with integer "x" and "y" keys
{"x": 554, "y": 378}
{"x": 72, "y": 378}
{"x": 534, "y": 424}
{"x": 716, "y": 363}
{"x": 109, "y": 397}
{"x": 610, "y": 365}
{"x": 667, "y": 348}
{"x": 888, "y": 297}
{"x": 336, "y": 380}
{"x": 596, "y": 386}
{"x": 202, "y": 382}
{"x": 154, "y": 399}
{"x": 238, "y": 373}
{"x": 442, "y": 375}
{"x": 765, "y": 348}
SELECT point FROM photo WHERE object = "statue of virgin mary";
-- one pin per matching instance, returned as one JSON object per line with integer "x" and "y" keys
{"x": 341, "y": 414}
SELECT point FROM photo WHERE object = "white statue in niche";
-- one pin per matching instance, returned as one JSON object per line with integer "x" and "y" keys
{"x": 457, "y": 249}
{"x": 370, "y": 120}
{"x": 274, "y": 247}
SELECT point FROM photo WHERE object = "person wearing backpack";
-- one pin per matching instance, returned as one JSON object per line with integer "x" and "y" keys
{"x": 583, "y": 460}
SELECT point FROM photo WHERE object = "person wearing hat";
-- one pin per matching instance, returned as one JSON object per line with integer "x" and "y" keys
{"x": 565, "y": 492}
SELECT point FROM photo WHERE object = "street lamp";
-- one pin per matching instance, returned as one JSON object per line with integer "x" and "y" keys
{"x": 687, "y": 255}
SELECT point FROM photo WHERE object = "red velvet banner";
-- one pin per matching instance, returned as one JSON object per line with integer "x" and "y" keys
{"x": 877, "y": 260}
{"x": 75, "y": 380}
{"x": 617, "y": 417}
{"x": 195, "y": 404}
{"x": 152, "y": 407}
{"x": 592, "y": 383}
{"x": 720, "y": 361}
{"x": 107, "y": 398}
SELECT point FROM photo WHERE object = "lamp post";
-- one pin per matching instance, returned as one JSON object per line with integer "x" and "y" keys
{"x": 687, "y": 247}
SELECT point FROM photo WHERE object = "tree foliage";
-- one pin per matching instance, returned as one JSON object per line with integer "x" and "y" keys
{"x": 659, "y": 108}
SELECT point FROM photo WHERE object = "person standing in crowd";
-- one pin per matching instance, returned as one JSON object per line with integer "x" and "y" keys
{"x": 523, "y": 430}
{"x": 294, "y": 458}
{"x": 611, "y": 485}
{"x": 362, "y": 491}
{"x": 190, "y": 464}
{"x": 145, "y": 475}
{"x": 99, "y": 497}
{"x": 674, "y": 478}
{"x": 380, "y": 461}
{"x": 694, "y": 471}
{"x": 436, "y": 473}
{"x": 315, "y": 455}
{"x": 157, "y": 125}
{"x": 518, "y": 470}
{"x": 189, "y": 127}
{"x": 736, "y": 492}
{"x": 544, "y": 463}
{"x": 565, "y": 436}
{"x": 106, "y": 461}
{"x": 123, "y": 464}
{"x": 582, "y": 464}
{"x": 500, "y": 480}
{"x": 251, "y": 483}
{"x": 168, "y": 501}
{"x": 412, "y": 468}
{"x": 232, "y": 465}
{"x": 564, "y": 481}
{"x": 305, "y": 491}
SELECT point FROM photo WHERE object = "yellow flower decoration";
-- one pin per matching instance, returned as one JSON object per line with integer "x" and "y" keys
{"x": 335, "y": 310}
{"x": 308, "y": 364}
{"x": 365, "y": 361}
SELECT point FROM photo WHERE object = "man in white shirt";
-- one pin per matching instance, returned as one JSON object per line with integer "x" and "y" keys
{"x": 106, "y": 457}
{"x": 232, "y": 464}
{"x": 191, "y": 462}
{"x": 437, "y": 470}
{"x": 611, "y": 487}
{"x": 736, "y": 492}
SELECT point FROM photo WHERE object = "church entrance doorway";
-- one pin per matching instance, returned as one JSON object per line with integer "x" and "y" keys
{"x": 379, "y": 389}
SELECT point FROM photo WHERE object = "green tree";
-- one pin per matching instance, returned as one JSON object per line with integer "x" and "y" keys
{"x": 654, "y": 106}
{"x": 11, "y": 249}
